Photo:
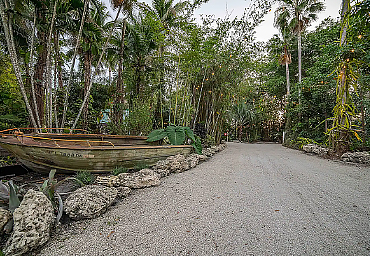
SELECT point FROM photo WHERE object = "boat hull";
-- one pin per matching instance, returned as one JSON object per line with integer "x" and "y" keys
{"x": 96, "y": 160}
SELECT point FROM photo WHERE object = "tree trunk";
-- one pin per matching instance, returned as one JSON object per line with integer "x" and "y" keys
{"x": 48, "y": 83}
{"x": 65, "y": 104}
{"x": 96, "y": 70}
{"x": 299, "y": 66}
{"x": 118, "y": 115}
{"x": 8, "y": 31}
{"x": 87, "y": 62}
{"x": 287, "y": 80}
{"x": 32, "y": 70}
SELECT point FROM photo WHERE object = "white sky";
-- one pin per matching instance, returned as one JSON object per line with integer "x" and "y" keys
{"x": 221, "y": 8}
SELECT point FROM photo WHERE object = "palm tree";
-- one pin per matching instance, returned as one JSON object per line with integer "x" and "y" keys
{"x": 7, "y": 22}
{"x": 286, "y": 57}
{"x": 296, "y": 15}
{"x": 242, "y": 114}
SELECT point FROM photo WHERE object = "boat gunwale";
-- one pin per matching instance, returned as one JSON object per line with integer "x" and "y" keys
{"x": 98, "y": 147}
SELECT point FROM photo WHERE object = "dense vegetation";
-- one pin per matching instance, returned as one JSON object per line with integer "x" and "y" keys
{"x": 153, "y": 66}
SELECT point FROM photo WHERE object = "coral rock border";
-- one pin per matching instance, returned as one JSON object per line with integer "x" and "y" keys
{"x": 348, "y": 157}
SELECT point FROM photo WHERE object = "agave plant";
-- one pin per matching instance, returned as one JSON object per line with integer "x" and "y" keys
{"x": 49, "y": 189}
{"x": 10, "y": 198}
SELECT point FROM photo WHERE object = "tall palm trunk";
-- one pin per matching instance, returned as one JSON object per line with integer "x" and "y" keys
{"x": 87, "y": 62}
{"x": 299, "y": 66}
{"x": 8, "y": 31}
{"x": 287, "y": 59}
{"x": 48, "y": 69}
{"x": 66, "y": 92}
{"x": 119, "y": 100}
{"x": 96, "y": 70}
{"x": 40, "y": 66}
{"x": 287, "y": 79}
{"x": 32, "y": 71}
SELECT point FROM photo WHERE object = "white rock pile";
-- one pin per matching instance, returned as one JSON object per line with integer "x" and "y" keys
{"x": 89, "y": 202}
{"x": 32, "y": 224}
{"x": 356, "y": 157}
{"x": 315, "y": 149}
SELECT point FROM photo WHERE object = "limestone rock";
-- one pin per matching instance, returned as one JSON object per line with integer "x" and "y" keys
{"x": 178, "y": 163}
{"x": 32, "y": 223}
{"x": 162, "y": 165}
{"x": 141, "y": 179}
{"x": 5, "y": 216}
{"x": 356, "y": 157}
{"x": 162, "y": 172}
{"x": 208, "y": 152}
{"x": 193, "y": 160}
{"x": 123, "y": 192}
{"x": 89, "y": 201}
{"x": 109, "y": 181}
{"x": 316, "y": 149}
{"x": 202, "y": 157}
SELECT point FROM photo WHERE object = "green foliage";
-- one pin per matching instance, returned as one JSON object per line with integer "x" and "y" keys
{"x": 10, "y": 194}
{"x": 10, "y": 197}
{"x": 139, "y": 120}
{"x": 86, "y": 177}
{"x": 310, "y": 118}
{"x": 141, "y": 165}
{"x": 7, "y": 160}
{"x": 119, "y": 170}
{"x": 301, "y": 141}
{"x": 48, "y": 188}
{"x": 209, "y": 141}
{"x": 177, "y": 136}
{"x": 12, "y": 109}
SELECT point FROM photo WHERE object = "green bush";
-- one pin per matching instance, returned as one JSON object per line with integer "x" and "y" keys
{"x": 119, "y": 170}
{"x": 85, "y": 177}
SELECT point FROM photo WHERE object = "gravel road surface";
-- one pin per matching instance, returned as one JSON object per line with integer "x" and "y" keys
{"x": 250, "y": 199}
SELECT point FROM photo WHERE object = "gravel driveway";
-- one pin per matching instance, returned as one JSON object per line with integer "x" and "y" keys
{"x": 250, "y": 199}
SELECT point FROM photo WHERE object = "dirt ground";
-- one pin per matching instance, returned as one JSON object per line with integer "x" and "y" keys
{"x": 250, "y": 199}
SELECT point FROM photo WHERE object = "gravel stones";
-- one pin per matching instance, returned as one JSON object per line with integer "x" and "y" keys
{"x": 5, "y": 216}
{"x": 89, "y": 201}
{"x": 32, "y": 223}
{"x": 356, "y": 157}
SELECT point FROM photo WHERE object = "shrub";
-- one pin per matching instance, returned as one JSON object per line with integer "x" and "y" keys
{"x": 119, "y": 170}
{"x": 85, "y": 177}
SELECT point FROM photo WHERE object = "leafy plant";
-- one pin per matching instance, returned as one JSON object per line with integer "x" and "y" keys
{"x": 301, "y": 141}
{"x": 141, "y": 165}
{"x": 209, "y": 141}
{"x": 10, "y": 195}
{"x": 48, "y": 188}
{"x": 119, "y": 170}
{"x": 85, "y": 177}
{"x": 177, "y": 136}
{"x": 7, "y": 160}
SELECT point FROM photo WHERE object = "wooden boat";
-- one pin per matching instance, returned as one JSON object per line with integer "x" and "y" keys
{"x": 68, "y": 153}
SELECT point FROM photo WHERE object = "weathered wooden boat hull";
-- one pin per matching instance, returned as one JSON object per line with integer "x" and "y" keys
{"x": 99, "y": 160}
